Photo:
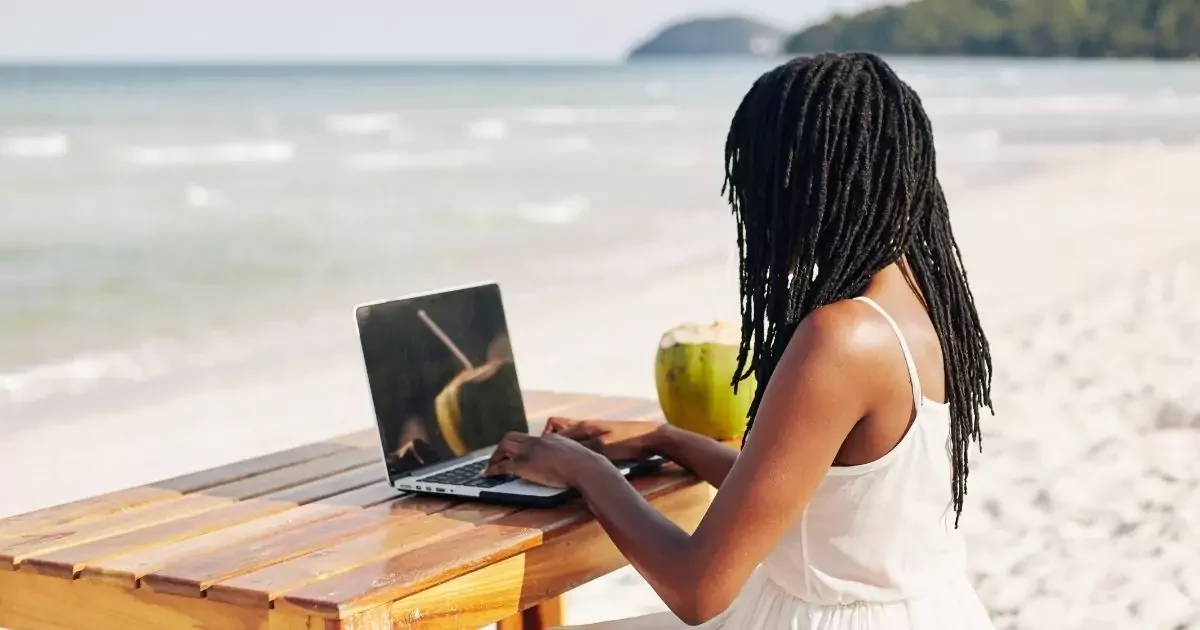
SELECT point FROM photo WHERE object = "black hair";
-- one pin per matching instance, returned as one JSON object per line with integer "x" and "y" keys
{"x": 830, "y": 171}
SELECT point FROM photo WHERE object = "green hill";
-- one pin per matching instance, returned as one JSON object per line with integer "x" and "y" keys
{"x": 1024, "y": 28}
{"x": 721, "y": 36}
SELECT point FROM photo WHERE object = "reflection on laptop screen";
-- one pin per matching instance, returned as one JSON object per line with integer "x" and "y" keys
{"x": 442, "y": 377}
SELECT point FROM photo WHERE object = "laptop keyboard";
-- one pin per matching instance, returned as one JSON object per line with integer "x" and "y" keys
{"x": 468, "y": 475}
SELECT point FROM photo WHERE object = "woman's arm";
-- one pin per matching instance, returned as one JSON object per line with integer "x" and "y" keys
{"x": 707, "y": 458}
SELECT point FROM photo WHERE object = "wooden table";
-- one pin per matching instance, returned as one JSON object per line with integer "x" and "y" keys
{"x": 314, "y": 538}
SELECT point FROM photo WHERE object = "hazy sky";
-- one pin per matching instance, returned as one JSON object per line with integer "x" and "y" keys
{"x": 357, "y": 29}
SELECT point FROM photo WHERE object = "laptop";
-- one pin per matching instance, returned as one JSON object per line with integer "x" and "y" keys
{"x": 444, "y": 386}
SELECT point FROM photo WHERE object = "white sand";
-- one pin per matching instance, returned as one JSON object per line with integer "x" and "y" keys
{"x": 1084, "y": 509}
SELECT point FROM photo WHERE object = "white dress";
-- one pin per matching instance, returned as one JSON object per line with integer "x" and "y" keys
{"x": 875, "y": 549}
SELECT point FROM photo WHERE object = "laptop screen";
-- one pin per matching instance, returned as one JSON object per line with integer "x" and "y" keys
{"x": 442, "y": 376}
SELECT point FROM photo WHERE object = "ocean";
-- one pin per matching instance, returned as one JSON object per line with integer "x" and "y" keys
{"x": 165, "y": 220}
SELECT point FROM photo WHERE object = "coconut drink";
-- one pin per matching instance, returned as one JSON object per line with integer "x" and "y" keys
{"x": 694, "y": 370}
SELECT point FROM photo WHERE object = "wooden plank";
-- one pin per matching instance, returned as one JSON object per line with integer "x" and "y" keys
{"x": 539, "y": 402}
{"x": 409, "y": 572}
{"x": 192, "y": 577}
{"x": 14, "y": 550}
{"x": 106, "y": 504}
{"x": 581, "y": 552}
{"x": 642, "y": 410}
{"x": 127, "y": 569}
{"x": 378, "y": 618}
{"x": 545, "y": 615}
{"x": 35, "y": 602}
{"x": 68, "y": 562}
{"x": 261, "y": 587}
{"x": 608, "y": 409}
{"x": 331, "y": 486}
{"x": 299, "y": 474}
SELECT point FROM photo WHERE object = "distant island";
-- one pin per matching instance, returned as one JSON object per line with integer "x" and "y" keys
{"x": 1165, "y": 29}
{"x": 1014, "y": 28}
{"x": 714, "y": 36}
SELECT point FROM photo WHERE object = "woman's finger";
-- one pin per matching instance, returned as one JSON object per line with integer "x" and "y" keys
{"x": 518, "y": 437}
{"x": 514, "y": 446}
{"x": 513, "y": 443}
{"x": 496, "y": 468}
{"x": 557, "y": 425}
{"x": 580, "y": 431}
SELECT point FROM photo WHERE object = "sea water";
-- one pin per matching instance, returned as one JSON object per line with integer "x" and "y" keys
{"x": 156, "y": 220}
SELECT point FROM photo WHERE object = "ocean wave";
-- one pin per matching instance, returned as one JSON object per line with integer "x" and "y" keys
{"x": 363, "y": 124}
{"x": 46, "y": 146}
{"x": 430, "y": 160}
{"x": 78, "y": 374}
{"x": 262, "y": 152}
{"x": 1029, "y": 105}
{"x": 488, "y": 129}
{"x": 197, "y": 196}
{"x": 590, "y": 116}
{"x": 557, "y": 212}
{"x": 1036, "y": 151}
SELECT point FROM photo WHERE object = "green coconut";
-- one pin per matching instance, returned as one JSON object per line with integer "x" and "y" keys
{"x": 693, "y": 373}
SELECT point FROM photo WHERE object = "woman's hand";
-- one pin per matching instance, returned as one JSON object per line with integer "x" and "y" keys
{"x": 551, "y": 460}
{"x": 615, "y": 439}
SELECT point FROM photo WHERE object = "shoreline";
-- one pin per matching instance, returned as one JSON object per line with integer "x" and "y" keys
{"x": 57, "y": 388}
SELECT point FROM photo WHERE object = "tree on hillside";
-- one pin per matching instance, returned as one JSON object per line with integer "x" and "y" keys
{"x": 1035, "y": 28}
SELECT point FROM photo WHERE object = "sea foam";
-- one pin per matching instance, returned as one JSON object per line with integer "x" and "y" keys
{"x": 488, "y": 129}
{"x": 588, "y": 116}
{"x": 45, "y": 146}
{"x": 429, "y": 160}
{"x": 363, "y": 124}
{"x": 250, "y": 152}
{"x": 78, "y": 374}
{"x": 558, "y": 212}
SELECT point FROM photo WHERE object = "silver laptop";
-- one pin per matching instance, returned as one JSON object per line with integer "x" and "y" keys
{"x": 444, "y": 385}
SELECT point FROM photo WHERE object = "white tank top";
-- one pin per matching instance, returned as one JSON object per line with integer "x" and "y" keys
{"x": 883, "y": 531}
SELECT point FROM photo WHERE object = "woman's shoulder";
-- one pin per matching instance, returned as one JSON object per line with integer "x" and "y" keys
{"x": 850, "y": 327}
{"x": 847, "y": 340}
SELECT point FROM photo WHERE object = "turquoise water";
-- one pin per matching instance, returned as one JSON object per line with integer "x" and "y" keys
{"x": 156, "y": 218}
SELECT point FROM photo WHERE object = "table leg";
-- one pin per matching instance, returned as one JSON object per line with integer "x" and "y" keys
{"x": 548, "y": 614}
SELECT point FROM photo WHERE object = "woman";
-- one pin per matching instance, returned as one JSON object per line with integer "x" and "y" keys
{"x": 841, "y": 510}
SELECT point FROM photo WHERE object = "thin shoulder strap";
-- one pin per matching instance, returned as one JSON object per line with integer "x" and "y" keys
{"x": 918, "y": 399}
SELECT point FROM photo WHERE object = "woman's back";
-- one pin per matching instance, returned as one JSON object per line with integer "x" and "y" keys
{"x": 882, "y": 531}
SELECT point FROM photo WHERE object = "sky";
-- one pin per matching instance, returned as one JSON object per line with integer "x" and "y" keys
{"x": 402, "y": 30}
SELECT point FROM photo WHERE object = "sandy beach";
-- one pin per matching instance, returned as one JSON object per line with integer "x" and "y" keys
{"x": 1084, "y": 508}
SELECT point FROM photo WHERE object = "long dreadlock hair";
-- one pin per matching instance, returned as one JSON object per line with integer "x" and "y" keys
{"x": 830, "y": 172}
